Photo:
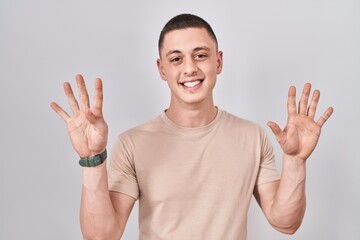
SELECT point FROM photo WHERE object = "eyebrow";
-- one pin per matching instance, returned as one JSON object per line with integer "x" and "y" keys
{"x": 201, "y": 48}
{"x": 194, "y": 50}
{"x": 172, "y": 51}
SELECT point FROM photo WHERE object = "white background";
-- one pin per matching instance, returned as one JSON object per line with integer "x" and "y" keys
{"x": 268, "y": 46}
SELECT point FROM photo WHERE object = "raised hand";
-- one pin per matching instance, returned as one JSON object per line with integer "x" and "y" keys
{"x": 87, "y": 128}
{"x": 301, "y": 133}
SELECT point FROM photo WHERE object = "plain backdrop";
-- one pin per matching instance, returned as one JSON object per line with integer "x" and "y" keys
{"x": 267, "y": 45}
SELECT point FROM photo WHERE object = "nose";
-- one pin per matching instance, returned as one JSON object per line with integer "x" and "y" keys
{"x": 190, "y": 67}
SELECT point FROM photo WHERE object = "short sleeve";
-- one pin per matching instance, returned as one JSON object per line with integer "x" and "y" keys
{"x": 121, "y": 169}
{"x": 267, "y": 170}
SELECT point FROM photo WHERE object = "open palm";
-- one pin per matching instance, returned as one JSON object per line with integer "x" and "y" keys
{"x": 301, "y": 133}
{"x": 87, "y": 128}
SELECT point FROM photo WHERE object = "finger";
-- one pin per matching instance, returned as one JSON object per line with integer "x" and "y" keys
{"x": 279, "y": 134}
{"x": 291, "y": 104}
{"x": 70, "y": 97}
{"x": 60, "y": 111}
{"x": 313, "y": 105}
{"x": 274, "y": 128}
{"x": 325, "y": 116}
{"x": 303, "y": 103}
{"x": 84, "y": 96}
{"x": 98, "y": 97}
{"x": 90, "y": 116}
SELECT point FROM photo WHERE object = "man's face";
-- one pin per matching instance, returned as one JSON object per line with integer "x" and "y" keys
{"x": 190, "y": 64}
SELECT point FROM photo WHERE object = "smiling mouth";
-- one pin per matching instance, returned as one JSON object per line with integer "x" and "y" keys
{"x": 191, "y": 84}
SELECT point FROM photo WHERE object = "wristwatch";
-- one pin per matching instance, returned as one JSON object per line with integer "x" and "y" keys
{"x": 93, "y": 161}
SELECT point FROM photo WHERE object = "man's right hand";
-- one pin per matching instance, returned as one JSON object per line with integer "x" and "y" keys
{"x": 87, "y": 128}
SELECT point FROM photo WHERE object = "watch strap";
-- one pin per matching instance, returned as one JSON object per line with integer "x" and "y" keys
{"x": 93, "y": 161}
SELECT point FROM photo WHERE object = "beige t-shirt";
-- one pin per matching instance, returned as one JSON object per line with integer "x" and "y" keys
{"x": 192, "y": 183}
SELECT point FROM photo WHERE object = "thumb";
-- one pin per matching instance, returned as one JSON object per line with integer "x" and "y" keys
{"x": 274, "y": 128}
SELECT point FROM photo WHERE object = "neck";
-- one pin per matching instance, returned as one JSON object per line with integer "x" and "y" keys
{"x": 192, "y": 116}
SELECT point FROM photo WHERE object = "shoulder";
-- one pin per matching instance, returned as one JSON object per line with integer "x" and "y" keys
{"x": 233, "y": 121}
{"x": 127, "y": 140}
{"x": 246, "y": 131}
{"x": 146, "y": 129}
{"x": 242, "y": 128}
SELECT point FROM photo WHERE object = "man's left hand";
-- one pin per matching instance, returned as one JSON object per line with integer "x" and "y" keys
{"x": 301, "y": 133}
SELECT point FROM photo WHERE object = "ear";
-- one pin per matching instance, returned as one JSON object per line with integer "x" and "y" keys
{"x": 219, "y": 62}
{"x": 160, "y": 69}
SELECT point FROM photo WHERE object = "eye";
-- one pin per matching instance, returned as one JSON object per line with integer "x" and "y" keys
{"x": 175, "y": 59}
{"x": 201, "y": 56}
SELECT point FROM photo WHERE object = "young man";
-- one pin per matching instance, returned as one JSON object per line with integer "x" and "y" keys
{"x": 195, "y": 167}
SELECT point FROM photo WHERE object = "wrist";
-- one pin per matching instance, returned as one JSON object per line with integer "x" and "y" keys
{"x": 293, "y": 160}
{"x": 294, "y": 167}
{"x": 93, "y": 160}
{"x": 93, "y": 154}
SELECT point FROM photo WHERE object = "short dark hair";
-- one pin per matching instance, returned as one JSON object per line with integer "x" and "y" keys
{"x": 183, "y": 21}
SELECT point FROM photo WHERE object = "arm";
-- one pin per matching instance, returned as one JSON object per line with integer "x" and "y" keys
{"x": 102, "y": 215}
{"x": 283, "y": 202}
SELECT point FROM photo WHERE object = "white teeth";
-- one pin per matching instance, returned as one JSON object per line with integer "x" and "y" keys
{"x": 191, "y": 84}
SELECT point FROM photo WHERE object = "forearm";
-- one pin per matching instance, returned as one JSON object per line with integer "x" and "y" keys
{"x": 97, "y": 214}
{"x": 288, "y": 208}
